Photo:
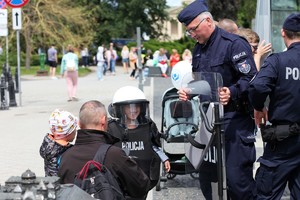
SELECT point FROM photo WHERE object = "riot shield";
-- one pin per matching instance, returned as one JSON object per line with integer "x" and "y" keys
{"x": 192, "y": 145}
{"x": 205, "y": 149}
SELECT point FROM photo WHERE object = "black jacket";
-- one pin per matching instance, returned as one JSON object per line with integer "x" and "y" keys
{"x": 132, "y": 179}
{"x": 51, "y": 152}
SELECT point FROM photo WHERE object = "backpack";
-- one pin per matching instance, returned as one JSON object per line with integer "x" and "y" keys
{"x": 97, "y": 180}
{"x": 70, "y": 64}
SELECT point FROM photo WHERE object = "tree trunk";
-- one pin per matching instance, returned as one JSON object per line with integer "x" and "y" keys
{"x": 28, "y": 47}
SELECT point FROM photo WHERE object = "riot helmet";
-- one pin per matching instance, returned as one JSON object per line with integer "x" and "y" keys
{"x": 130, "y": 106}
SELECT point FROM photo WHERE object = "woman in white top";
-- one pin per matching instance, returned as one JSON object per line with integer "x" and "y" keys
{"x": 125, "y": 58}
{"x": 100, "y": 63}
{"x": 162, "y": 62}
{"x": 187, "y": 55}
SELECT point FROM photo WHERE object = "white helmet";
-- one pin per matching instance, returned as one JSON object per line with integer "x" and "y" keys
{"x": 130, "y": 106}
{"x": 181, "y": 74}
{"x": 128, "y": 94}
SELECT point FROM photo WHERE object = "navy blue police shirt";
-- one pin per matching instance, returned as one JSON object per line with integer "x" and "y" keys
{"x": 279, "y": 78}
{"x": 231, "y": 56}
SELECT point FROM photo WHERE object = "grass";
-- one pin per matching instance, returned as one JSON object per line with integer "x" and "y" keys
{"x": 33, "y": 70}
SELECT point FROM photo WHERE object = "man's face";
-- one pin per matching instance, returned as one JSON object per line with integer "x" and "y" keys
{"x": 199, "y": 29}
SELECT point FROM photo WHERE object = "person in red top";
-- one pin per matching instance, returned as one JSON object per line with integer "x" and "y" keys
{"x": 174, "y": 58}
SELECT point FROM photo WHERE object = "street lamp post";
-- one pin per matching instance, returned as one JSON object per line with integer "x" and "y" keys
{"x": 140, "y": 66}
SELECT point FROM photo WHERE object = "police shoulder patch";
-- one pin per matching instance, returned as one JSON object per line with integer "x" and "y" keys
{"x": 244, "y": 67}
{"x": 239, "y": 56}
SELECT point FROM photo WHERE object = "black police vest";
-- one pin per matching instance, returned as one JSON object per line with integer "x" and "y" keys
{"x": 138, "y": 142}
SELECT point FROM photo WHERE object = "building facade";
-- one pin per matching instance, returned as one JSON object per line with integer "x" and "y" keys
{"x": 172, "y": 28}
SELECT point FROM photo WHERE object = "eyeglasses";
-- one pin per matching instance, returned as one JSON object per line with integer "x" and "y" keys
{"x": 192, "y": 30}
{"x": 254, "y": 47}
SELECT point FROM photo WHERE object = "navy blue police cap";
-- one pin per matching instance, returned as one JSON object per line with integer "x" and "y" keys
{"x": 190, "y": 12}
{"x": 292, "y": 23}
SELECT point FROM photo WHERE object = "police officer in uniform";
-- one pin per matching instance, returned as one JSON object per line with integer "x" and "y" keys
{"x": 138, "y": 134}
{"x": 279, "y": 78}
{"x": 230, "y": 55}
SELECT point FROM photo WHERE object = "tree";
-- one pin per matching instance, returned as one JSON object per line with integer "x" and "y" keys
{"x": 149, "y": 15}
{"x": 224, "y": 9}
{"x": 241, "y": 11}
{"x": 246, "y": 13}
{"x": 59, "y": 22}
{"x": 119, "y": 18}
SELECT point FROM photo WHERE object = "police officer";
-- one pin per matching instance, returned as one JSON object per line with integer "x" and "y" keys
{"x": 230, "y": 55}
{"x": 279, "y": 78}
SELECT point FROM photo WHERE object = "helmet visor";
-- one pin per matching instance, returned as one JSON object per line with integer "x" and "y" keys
{"x": 133, "y": 114}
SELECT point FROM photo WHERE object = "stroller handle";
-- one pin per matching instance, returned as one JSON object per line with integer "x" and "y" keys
{"x": 203, "y": 106}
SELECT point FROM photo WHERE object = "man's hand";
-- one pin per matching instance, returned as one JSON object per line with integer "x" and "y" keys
{"x": 261, "y": 117}
{"x": 224, "y": 94}
{"x": 183, "y": 94}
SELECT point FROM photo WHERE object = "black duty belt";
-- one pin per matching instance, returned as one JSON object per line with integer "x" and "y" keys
{"x": 271, "y": 133}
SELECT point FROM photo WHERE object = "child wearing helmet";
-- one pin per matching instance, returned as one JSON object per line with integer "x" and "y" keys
{"x": 138, "y": 134}
{"x": 63, "y": 126}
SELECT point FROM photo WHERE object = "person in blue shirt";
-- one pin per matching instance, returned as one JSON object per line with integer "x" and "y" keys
{"x": 69, "y": 70}
{"x": 229, "y": 55}
{"x": 279, "y": 78}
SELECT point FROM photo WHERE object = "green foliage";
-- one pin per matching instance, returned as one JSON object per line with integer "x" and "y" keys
{"x": 119, "y": 18}
{"x": 58, "y": 22}
{"x": 12, "y": 59}
{"x": 33, "y": 70}
{"x": 246, "y": 13}
{"x": 179, "y": 45}
{"x": 241, "y": 11}
{"x": 224, "y": 9}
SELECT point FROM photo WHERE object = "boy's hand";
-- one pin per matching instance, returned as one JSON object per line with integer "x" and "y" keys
{"x": 167, "y": 165}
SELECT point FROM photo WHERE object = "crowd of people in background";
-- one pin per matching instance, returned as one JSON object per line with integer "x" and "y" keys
{"x": 106, "y": 57}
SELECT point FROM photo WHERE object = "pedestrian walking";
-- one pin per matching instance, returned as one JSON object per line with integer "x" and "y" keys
{"x": 100, "y": 63}
{"x": 125, "y": 58}
{"x": 52, "y": 61}
{"x": 69, "y": 70}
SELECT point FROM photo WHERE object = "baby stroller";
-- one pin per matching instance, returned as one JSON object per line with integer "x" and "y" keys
{"x": 180, "y": 122}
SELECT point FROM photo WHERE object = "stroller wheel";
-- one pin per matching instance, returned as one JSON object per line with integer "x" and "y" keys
{"x": 171, "y": 176}
{"x": 195, "y": 175}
